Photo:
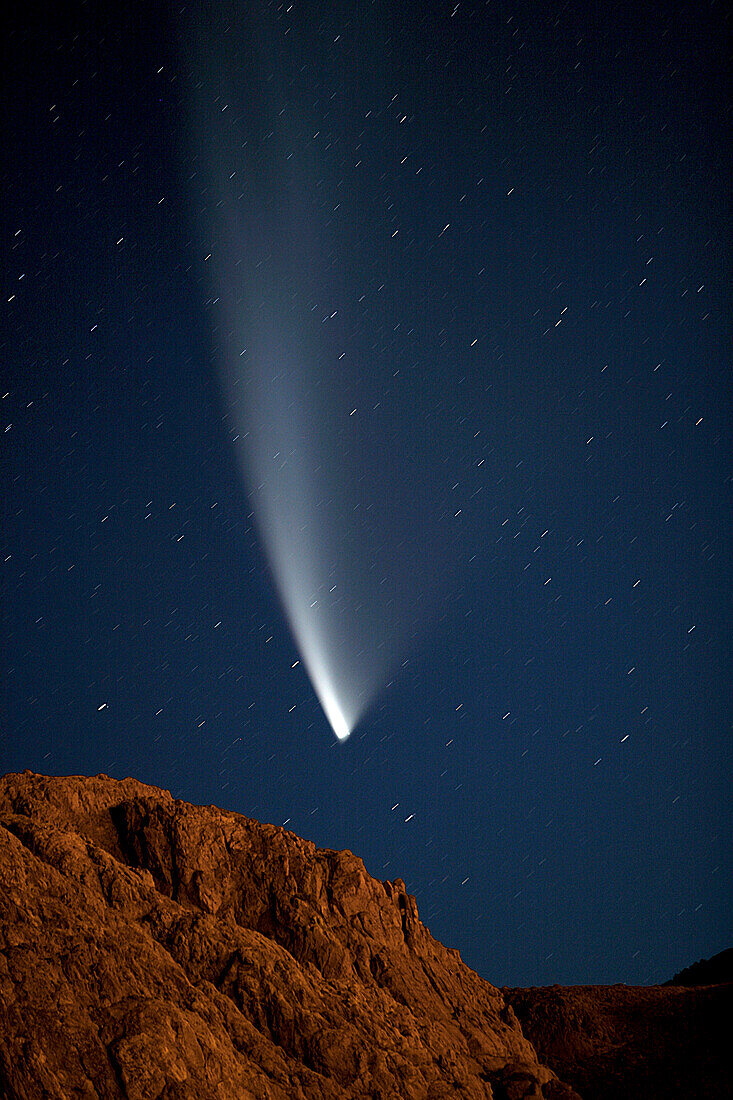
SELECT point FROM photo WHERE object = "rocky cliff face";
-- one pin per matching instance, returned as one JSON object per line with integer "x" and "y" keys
{"x": 153, "y": 949}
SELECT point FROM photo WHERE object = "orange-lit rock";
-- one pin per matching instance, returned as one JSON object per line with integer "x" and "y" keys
{"x": 150, "y": 948}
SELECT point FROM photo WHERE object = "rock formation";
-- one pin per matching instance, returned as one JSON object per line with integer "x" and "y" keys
{"x": 155, "y": 950}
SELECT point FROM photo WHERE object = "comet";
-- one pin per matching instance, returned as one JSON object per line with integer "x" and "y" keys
{"x": 266, "y": 250}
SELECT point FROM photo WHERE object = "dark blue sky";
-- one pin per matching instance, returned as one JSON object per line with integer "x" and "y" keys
{"x": 498, "y": 233}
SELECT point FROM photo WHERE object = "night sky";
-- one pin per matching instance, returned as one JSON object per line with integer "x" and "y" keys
{"x": 378, "y": 353}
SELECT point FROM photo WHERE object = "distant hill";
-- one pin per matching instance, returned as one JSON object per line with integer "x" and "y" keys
{"x": 713, "y": 971}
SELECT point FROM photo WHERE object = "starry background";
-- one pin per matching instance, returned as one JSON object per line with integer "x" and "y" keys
{"x": 517, "y": 276}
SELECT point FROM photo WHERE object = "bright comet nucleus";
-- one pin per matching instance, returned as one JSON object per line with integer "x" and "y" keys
{"x": 333, "y": 712}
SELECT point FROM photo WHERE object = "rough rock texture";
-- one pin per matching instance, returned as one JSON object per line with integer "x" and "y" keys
{"x": 153, "y": 949}
{"x": 616, "y": 1042}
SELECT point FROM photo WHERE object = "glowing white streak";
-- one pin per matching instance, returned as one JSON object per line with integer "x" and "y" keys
{"x": 301, "y": 481}
{"x": 335, "y": 717}
{"x": 300, "y": 532}
{"x": 294, "y": 577}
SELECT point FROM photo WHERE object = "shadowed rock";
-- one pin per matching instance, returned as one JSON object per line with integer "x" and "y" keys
{"x": 715, "y": 971}
{"x": 615, "y": 1042}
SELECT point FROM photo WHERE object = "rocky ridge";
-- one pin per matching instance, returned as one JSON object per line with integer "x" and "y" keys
{"x": 154, "y": 949}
